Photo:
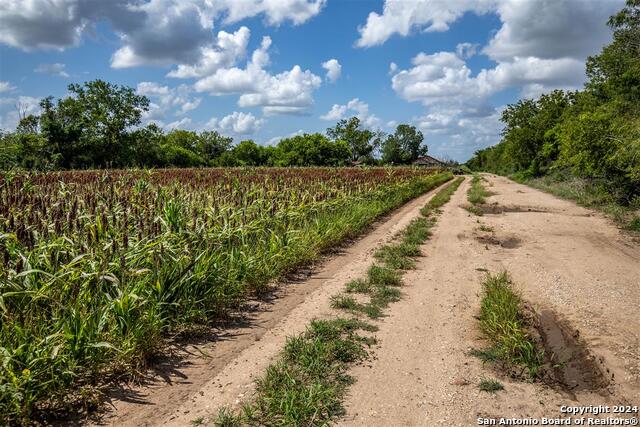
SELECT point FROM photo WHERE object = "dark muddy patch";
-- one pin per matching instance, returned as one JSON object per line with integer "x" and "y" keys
{"x": 569, "y": 360}
{"x": 507, "y": 243}
{"x": 497, "y": 209}
{"x": 567, "y": 365}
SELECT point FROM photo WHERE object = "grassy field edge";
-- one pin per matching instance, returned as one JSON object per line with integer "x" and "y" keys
{"x": 51, "y": 370}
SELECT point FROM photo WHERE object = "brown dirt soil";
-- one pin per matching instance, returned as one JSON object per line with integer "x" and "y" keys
{"x": 575, "y": 368}
{"x": 196, "y": 379}
{"x": 578, "y": 272}
{"x": 575, "y": 268}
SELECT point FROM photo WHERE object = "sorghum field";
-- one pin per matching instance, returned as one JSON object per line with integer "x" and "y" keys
{"x": 99, "y": 267}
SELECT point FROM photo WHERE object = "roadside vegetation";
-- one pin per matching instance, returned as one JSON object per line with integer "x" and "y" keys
{"x": 503, "y": 321}
{"x": 99, "y": 267}
{"x": 583, "y": 145}
{"x": 307, "y": 385}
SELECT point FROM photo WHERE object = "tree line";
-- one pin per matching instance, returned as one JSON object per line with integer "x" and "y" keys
{"x": 99, "y": 126}
{"x": 591, "y": 134}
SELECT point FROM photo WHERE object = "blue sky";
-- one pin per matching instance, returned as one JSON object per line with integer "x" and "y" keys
{"x": 267, "y": 69}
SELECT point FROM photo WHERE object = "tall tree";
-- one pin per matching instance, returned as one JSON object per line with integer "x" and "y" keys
{"x": 211, "y": 145}
{"x": 312, "y": 150}
{"x": 615, "y": 72}
{"x": 248, "y": 153}
{"x": 90, "y": 126}
{"x": 404, "y": 146}
{"x": 361, "y": 141}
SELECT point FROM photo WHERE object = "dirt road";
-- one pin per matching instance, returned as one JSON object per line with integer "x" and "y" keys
{"x": 565, "y": 259}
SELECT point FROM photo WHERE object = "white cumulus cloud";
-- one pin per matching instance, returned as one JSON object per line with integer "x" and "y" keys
{"x": 355, "y": 107}
{"x": 166, "y": 102}
{"x": 6, "y": 86}
{"x": 224, "y": 52}
{"x": 152, "y": 32}
{"x": 444, "y": 78}
{"x": 551, "y": 29}
{"x": 402, "y": 17}
{"x": 52, "y": 69}
{"x": 334, "y": 69}
{"x": 238, "y": 123}
{"x": 288, "y": 92}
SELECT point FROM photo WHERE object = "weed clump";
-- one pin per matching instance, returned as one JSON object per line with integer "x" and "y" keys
{"x": 503, "y": 322}
{"x": 490, "y": 386}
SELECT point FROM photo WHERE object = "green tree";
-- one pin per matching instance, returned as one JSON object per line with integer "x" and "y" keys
{"x": 403, "y": 146}
{"x": 146, "y": 147}
{"x": 248, "y": 153}
{"x": 311, "y": 150}
{"x": 360, "y": 141}
{"x": 28, "y": 124}
{"x": 211, "y": 145}
{"x": 177, "y": 156}
{"x": 183, "y": 138}
{"x": 89, "y": 128}
{"x": 614, "y": 74}
{"x": 9, "y": 158}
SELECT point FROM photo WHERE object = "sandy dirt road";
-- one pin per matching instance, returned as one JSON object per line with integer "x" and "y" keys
{"x": 197, "y": 379}
{"x": 563, "y": 258}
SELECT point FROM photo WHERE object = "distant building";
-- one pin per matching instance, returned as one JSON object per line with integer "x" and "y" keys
{"x": 429, "y": 161}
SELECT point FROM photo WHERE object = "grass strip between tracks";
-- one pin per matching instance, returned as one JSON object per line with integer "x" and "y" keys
{"x": 476, "y": 195}
{"x": 306, "y": 386}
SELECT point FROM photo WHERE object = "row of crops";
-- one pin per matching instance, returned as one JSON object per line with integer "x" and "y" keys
{"x": 97, "y": 268}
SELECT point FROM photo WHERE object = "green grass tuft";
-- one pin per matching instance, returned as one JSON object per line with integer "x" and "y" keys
{"x": 198, "y": 421}
{"x": 503, "y": 323}
{"x": 490, "y": 386}
{"x": 398, "y": 256}
{"x": 418, "y": 231}
{"x": 226, "y": 418}
{"x": 477, "y": 194}
{"x": 373, "y": 310}
{"x": 344, "y": 302}
{"x": 634, "y": 224}
{"x": 388, "y": 294}
{"x": 383, "y": 276}
{"x": 358, "y": 286}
